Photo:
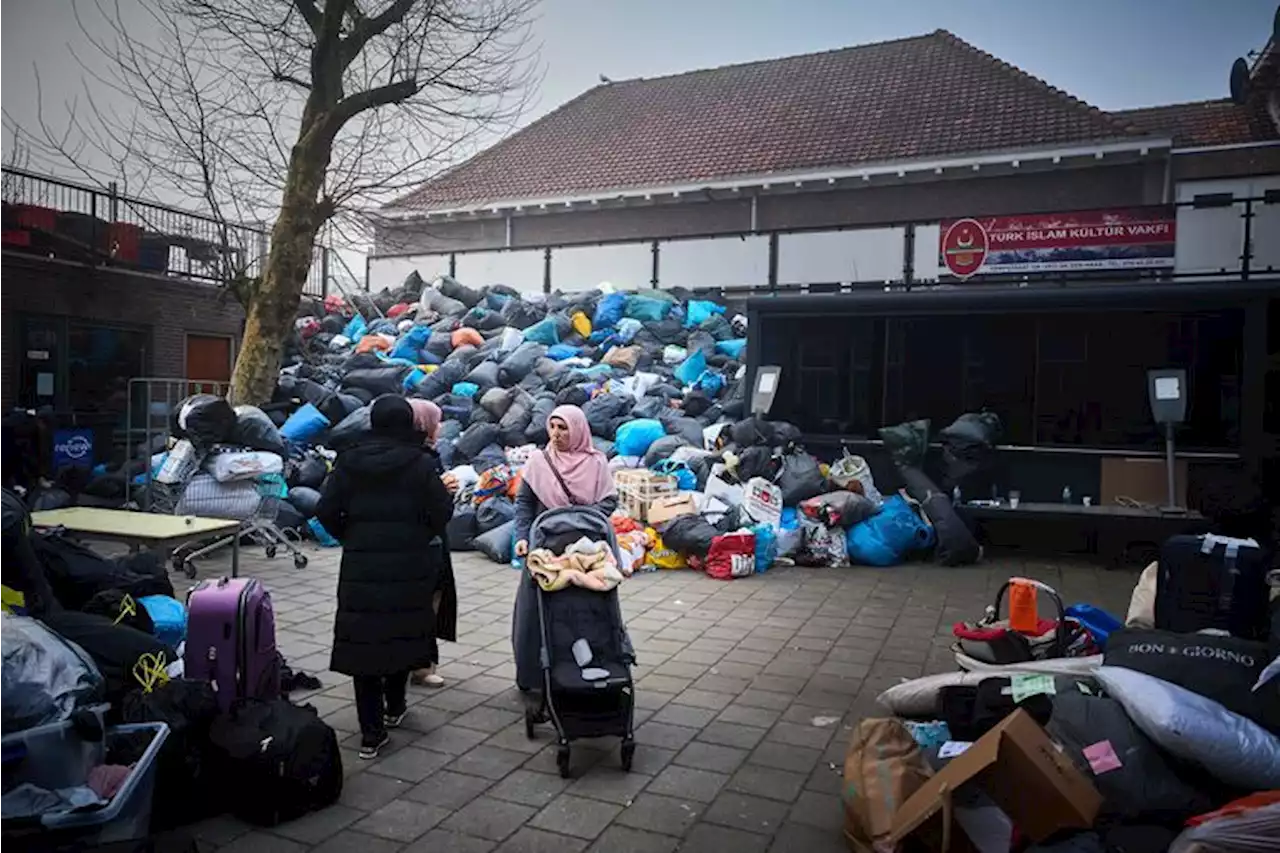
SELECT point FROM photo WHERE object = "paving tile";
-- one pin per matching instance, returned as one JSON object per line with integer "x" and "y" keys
{"x": 515, "y": 738}
{"x": 649, "y": 760}
{"x": 709, "y": 838}
{"x": 732, "y": 734}
{"x": 576, "y": 816}
{"x": 765, "y": 699}
{"x": 448, "y": 790}
{"x": 582, "y": 758}
{"x": 488, "y": 762}
{"x": 217, "y": 831}
{"x": 356, "y": 842}
{"x": 402, "y": 820}
{"x": 704, "y": 699}
{"x": 445, "y": 841}
{"x": 743, "y": 811}
{"x": 746, "y": 715}
{"x": 664, "y": 735}
{"x": 688, "y": 783}
{"x": 685, "y": 715}
{"x": 451, "y": 740}
{"x": 813, "y": 737}
{"x": 767, "y": 782}
{"x": 486, "y": 719}
{"x": 623, "y": 839}
{"x": 370, "y": 791}
{"x": 455, "y": 700}
{"x": 706, "y": 756}
{"x": 793, "y": 837}
{"x": 822, "y": 811}
{"x": 662, "y": 683}
{"x": 537, "y": 841}
{"x": 317, "y": 826}
{"x": 611, "y": 784}
{"x": 797, "y": 759}
{"x": 409, "y": 764}
{"x": 656, "y": 813}
{"x": 263, "y": 842}
{"x": 424, "y": 718}
{"x": 529, "y": 788}
{"x": 486, "y": 817}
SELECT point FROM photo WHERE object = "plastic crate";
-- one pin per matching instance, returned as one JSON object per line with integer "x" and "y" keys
{"x": 57, "y": 756}
{"x": 1099, "y": 623}
{"x": 637, "y": 488}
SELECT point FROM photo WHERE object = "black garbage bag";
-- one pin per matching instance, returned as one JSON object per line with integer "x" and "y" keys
{"x": 718, "y": 327}
{"x": 497, "y": 544}
{"x": 440, "y": 345}
{"x": 907, "y": 442}
{"x": 43, "y": 499}
{"x": 333, "y": 324}
{"x": 956, "y": 545}
{"x": 474, "y": 439}
{"x": 187, "y": 786}
{"x": 454, "y": 289}
{"x": 494, "y": 512}
{"x": 204, "y": 420}
{"x": 352, "y": 399}
{"x": 649, "y": 408}
{"x": 255, "y": 430}
{"x": 121, "y": 609}
{"x": 800, "y": 478}
{"x": 690, "y": 535}
{"x": 441, "y": 380}
{"x": 304, "y": 499}
{"x": 662, "y": 449}
{"x": 757, "y": 431}
{"x": 1142, "y": 784}
{"x": 496, "y": 401}
{"x": 484, "y": 375}
{"x": 289, "y": 518}
{"x": 462, "y": 528}
{"x": 378, "y": 380}
{"x": 520, "y": 362}
{"x": 702, "y": 341}
{"x": 22, "y": 569}
{"x": 481, "y": 415}
{"x": 76, "y": 573}
{"x": 549, "y": 369}
{"x": 516, "y": 421}
{"x": 969, "y": 444}
{"x": 536, "y": 432}
{"x": 757, "y": 461}
{"x": 350, "y": 429}
{"x": 533, "y": 384}
{"x": 308, "y": 471}
{"x": 605, "y": 412}
{"x": 483, "y": 320}
{"x": 689, "y": 429}
{"x": 604, "y": 445}
{"x": 115, "y": 649}
{"x": 519, "y": 314}
{"x": 490, "y": 456}
{"x": 696, "y": 404}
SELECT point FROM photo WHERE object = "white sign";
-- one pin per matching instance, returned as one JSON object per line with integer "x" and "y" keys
{"x": 1167, "y": 388}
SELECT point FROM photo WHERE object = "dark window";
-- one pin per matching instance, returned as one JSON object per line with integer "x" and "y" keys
{"x": 831, "y": 382}
{"x": 100, "y": 362}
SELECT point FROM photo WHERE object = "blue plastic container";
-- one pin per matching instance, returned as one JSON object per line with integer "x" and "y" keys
{"x": 55, "y": 756}
{"x": 1098, "y": 622}
{"x": 168, "y": 616}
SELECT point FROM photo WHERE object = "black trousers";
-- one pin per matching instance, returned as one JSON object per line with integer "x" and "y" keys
{"x": 377, "y": 695}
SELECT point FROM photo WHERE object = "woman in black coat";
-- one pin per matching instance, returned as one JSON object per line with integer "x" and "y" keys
{"x": 386, "y": 504}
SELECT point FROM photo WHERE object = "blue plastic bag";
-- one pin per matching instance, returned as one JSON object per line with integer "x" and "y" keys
{"x": 304, "y": 425}
{"x": 414, "y": 378}
{"x": 323, "y": 537}
{"x": 733, "y": 349}
{"x": 766, "y": 546}
{"x": 709, "y": 383}
{"x": 686, "y": 480}
{"x": 560, "y": 352}
{"x": 627, "y": 329}
{"x": 411, "y": 343}
{"x": 355, "y": 328}
{"x": 495, "y": 301}
{"x": 699, "y": 311}
{"x": 465, "y": 389}
{"x": 886, "y": 538}
{"x": 609, "y": 311}
{"x": 689, "y": 370}
{"x": 543, "y": 332}
{"x": 634, "y": 437}
{"x": 168, "y": 616}
{"x": 646, "y": 308}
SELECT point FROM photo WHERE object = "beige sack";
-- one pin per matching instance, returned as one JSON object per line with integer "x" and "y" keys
{"x": 1142, "y": 606}
{"x": 882, "y": 768}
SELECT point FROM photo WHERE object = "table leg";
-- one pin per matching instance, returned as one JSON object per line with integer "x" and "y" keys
{"x": 235, "y": 556}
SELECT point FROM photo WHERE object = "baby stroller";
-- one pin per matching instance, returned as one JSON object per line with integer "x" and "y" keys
{"x": 586, "y": 686}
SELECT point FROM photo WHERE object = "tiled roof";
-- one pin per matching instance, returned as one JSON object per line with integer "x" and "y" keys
{"x": 1205, "y": 122}
{"x": 928, "y": 96}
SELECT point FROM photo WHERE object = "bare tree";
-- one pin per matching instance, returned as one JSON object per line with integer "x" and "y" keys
{"x": 302, "y": 113}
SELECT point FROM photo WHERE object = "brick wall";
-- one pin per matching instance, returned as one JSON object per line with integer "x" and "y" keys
{"x": 169, "y": 308}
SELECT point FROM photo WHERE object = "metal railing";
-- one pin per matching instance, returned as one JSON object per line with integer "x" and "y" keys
{"x": 1245, "y": 249}
{"x": 55, "y": 218}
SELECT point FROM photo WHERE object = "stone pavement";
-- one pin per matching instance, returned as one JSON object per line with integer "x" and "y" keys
{"x": 746, "y": 695}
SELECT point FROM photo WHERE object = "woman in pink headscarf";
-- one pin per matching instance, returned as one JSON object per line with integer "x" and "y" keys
{"x": 426, "y": 422}
{"x": 569, "y": 472}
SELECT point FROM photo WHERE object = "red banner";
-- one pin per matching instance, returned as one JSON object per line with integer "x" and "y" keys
{"x": 1127, "y": 238}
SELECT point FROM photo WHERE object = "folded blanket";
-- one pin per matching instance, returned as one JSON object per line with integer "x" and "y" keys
{"x": 594, "y": 569}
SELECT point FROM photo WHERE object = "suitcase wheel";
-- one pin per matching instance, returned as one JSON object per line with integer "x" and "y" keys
{"x": 562, "y": 760}
{"x": 299, "y": 561}
{"x": 628, "y": 753}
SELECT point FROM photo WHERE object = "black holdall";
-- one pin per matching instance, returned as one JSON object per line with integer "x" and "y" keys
{"x": 1212, "y": 582}
{"x": 1224, "y": 669}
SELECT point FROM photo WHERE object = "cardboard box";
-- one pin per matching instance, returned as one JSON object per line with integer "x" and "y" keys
{"x": 667, "y": 507}
{"x": 1021, "y": 769}
{"x": 1141, "y": 479}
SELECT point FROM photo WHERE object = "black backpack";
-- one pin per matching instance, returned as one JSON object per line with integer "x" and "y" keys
{"x": 279, "y": 760}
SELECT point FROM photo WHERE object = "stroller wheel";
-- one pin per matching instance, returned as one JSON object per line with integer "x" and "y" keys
{"x": 271, "y": 552}
{"x": 528, "y": 725}
{"x": 562, "y": 761}
{"x": 190, "y": 569}
{"x": 628, "y": 752}
{"x": 299, "y": 561}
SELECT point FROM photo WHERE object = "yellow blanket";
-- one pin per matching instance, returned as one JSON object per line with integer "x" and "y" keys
{"x": 596, "y": 570}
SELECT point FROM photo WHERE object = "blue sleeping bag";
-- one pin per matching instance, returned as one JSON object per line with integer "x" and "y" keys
{"x": 885, "y": 539}
{"x": 305, "y": 425}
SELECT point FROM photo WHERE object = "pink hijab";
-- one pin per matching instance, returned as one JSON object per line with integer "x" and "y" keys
{"x": 426, "y": 417}
{"x": 583, "y": 468}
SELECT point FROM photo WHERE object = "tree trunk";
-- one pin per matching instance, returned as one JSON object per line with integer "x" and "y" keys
{"x": 273, "y": 304}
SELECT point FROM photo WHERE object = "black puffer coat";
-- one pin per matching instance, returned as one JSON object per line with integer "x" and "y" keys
{"x": 387, "y": 506}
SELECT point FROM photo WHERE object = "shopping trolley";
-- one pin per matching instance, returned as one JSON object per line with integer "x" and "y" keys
{"x": 255, "y": 503}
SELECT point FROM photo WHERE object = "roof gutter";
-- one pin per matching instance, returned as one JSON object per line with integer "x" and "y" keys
{"x": 1235, "y": 146}
{"x": 975, "y": 162}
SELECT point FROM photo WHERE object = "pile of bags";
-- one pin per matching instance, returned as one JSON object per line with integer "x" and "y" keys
{"x": 1085, "y": 734}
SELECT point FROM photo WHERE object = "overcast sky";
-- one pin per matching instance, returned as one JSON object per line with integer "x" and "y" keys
{"x": 1112, "y": 53}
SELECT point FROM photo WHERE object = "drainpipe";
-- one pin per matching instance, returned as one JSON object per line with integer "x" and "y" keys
{"x": 507, "y": 220}
{"x": 1168, "y": 180}
{"x": 754, "y": 198}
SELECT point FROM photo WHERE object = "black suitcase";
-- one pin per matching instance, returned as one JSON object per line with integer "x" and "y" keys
{"x": 1212, "y": 582}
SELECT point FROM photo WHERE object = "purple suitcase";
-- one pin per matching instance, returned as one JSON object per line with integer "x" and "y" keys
{"x": 231, "y": 639}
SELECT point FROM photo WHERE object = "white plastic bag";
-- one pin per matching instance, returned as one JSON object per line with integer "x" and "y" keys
{"x": 243, "y": 465}
{"x": 763, "y": 502}
{"x": 1197, "y": 729}
{"x": 1255, "y": 831}
{"x": 180, "y": 465}
{"x": 45, "y": 675}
